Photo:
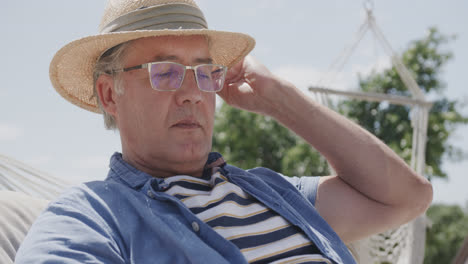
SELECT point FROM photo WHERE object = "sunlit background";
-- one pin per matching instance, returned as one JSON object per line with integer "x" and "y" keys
{"x": 295, "y": 39}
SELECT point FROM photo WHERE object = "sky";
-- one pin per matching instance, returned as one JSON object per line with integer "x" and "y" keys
{"x": 297, "y": 40}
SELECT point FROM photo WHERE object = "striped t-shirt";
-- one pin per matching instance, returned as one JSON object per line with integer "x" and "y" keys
{"x": 261, "y": 234}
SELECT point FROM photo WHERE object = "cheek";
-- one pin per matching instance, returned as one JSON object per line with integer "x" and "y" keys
{"x": 210, "y": 101}
{"x": 210, "y": 107}
{"x": 142, "y": 110}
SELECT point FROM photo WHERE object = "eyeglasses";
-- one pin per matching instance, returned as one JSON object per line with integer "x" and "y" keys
{"x": 168, "y": 76}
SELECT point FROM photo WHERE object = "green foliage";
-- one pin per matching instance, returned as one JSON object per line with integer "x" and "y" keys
{"x": 302, "y": 159}
{"x": 445, "y": 236}
{"x": 248, "y": 140}
{"x": 425, "y": 59}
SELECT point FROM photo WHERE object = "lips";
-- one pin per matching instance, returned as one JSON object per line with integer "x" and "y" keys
{"x": 187, "y": 124}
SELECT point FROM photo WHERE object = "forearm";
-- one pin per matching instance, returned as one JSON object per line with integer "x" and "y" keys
{"x": 374, "y": 189}
{"x": 359, "y": 158}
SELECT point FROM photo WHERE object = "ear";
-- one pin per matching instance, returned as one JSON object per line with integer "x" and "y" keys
{"x": 106, "y": 93}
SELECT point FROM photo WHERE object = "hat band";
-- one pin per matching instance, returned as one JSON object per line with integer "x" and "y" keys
{"x": 169, "y": 16}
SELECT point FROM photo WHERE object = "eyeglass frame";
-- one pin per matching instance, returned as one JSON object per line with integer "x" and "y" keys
{"x": 186, "y": 67}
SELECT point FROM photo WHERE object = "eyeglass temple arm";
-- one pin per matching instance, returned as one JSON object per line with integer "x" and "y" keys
{"x": 141, "y": 66}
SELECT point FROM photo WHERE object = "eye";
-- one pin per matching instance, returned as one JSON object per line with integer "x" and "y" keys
{"x": 209, "y": 72}
{"x": 166, "y": 74}
{"x": 217, "y": 72}
{"x": 202, "y": 75}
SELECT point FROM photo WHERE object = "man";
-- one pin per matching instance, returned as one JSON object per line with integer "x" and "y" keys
{"x": 155, "y": 69}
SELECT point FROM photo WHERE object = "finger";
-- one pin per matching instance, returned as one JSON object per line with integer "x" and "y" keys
{"x": 235, "y": 72}
{"x": 231, "y": 91}
{"x": 223, "y": 92}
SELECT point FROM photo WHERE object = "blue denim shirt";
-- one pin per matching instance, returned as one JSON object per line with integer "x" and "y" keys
{"x": 127, "y": 219}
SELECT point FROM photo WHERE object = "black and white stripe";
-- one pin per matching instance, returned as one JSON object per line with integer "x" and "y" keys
{"x": 261, "y": 234}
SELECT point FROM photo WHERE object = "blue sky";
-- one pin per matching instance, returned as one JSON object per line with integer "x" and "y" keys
{"x": 295, "y": 39}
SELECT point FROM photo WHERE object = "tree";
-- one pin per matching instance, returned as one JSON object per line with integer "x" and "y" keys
{"x": 449, "y": 226}
{"x": 248, "y": 140}
{"x": 425, "y": 58}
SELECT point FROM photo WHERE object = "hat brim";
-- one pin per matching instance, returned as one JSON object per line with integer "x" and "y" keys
{"x": 71, "y": 69}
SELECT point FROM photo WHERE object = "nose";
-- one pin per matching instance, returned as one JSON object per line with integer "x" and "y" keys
{"x": 188, "y": 91}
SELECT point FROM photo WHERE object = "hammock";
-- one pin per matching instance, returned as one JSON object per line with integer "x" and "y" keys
{"x": 404, "y": 245}
{"x": 20, "y": 177}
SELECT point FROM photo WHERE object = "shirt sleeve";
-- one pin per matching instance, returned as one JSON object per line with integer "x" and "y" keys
{"x": 69, "y": 231}
{"x": 307, "y": 185}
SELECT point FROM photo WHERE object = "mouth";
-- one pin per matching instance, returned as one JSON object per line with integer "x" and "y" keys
{"x": 187, "y": 124}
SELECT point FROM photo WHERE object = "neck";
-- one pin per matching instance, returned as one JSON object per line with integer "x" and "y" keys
{"x": 164, "y": 169}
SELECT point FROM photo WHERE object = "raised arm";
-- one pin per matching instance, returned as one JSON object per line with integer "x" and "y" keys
{"x": 374, "y": 189}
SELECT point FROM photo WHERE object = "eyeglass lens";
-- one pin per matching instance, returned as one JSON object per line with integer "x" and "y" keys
{"x": 210, "y": 77}
{"x": 169, "y": 76}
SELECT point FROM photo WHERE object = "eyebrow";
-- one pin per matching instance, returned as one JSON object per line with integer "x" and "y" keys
{"x": 175, "y": 58}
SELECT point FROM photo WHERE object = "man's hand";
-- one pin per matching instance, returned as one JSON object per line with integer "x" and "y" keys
{"x": 250, "y": 86}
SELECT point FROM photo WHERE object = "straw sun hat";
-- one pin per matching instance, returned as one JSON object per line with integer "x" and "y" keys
{"x": 71, "y": 69}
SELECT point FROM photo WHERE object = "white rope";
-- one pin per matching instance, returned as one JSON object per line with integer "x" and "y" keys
{"x": 375, "y": 97}
{"x": 403, "y": 245}
{"x": 337, "y": 65}
{"x": 403, "y": 72}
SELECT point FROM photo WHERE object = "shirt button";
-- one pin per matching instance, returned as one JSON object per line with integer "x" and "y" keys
{"x": 150, "y": 194}
{"x": 195, "y": 226}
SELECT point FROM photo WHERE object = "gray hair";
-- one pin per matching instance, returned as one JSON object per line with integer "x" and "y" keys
{"x": 111, "y": 60}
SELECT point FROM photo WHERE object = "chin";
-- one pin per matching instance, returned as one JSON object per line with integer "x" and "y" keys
{"x": 190, "y": 163}
{"x": 191, "y": 152}
{"x": 193, "y": 155}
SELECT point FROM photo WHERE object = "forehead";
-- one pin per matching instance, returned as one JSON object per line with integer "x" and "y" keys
{"x": 182, "y": 49}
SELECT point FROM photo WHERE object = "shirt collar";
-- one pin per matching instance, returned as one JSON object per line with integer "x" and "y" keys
{"x": 135, "y": 178}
